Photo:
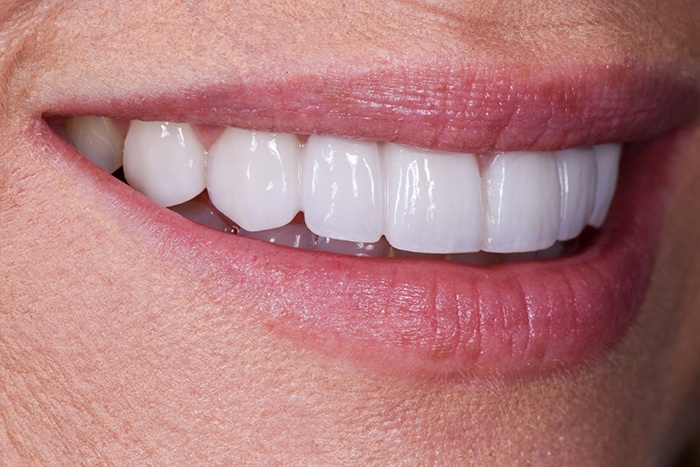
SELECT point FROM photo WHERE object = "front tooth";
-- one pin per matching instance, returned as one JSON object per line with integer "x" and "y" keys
{"x": 607, "y": 159}
{"x": 165, "y": 161}
{"x": 98, "y": 139}
{"x": 433, "y": 199}
{"x": 577, "y": 180}
{"x": 522, "y": 202}
{"x": 253, "y": 178}
{"x": 342, "y": 189}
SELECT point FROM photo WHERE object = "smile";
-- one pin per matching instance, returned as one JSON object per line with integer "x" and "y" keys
{"x": 359, "y": 197}
{"x": 559, "y": 249}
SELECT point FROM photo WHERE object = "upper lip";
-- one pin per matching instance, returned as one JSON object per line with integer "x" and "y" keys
{"x": 463, "y": 110}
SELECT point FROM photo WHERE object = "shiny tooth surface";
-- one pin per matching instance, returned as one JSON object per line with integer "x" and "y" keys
{"x": 165, "y": 161}
{"x": 426, "y": 203}
{"x": 342, "y": 189}
{"x": 253, "y": 178}
{"x": 521, "y": 202}
{"x": 577, "y": 180}
{"x": 98, "y": 139}
{"x": 433, "y": 200}
{"x": 607, "y": 158}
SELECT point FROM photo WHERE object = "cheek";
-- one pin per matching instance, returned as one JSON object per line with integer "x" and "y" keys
{"x": 672, "y": 324}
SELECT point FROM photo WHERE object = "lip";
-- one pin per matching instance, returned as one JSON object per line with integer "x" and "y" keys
{"x": 421, "y": 316}
{"x": 437, "y": 106}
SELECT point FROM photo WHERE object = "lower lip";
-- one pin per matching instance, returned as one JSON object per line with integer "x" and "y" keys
{"x": 428, "y": 317}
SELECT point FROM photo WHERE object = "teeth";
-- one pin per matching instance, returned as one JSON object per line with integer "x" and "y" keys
{"x": 342, "y": 189}
{"x": 164, "y": 161}
{"x": 522, "y": 199}
{"x": 607, "y": 158}
{"x": 354, "y": 192}
{"x": 253, "y": 178}
{"x": 577, "y": 180}
{"x": 98, "y": 139}
{"x": 433, "y": 199}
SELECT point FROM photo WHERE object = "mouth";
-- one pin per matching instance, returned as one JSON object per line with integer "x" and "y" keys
{"x": 517, "y": 257}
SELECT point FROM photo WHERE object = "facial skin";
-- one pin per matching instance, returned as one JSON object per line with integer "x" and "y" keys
{"x": 111, "y": 354}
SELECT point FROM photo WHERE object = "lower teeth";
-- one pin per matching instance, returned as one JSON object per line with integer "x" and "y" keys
{"x": 297, "y": 235}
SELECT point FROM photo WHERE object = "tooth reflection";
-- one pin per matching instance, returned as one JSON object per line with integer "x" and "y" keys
{"x": 293, "y": 235}
{"x": 377, "y": 249}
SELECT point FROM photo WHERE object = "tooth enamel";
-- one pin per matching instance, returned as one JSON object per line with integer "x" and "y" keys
{"x": 607, "y": 163}
{"x": 522, "y": 202}
{"x": 164, "y": 161}
{"x": 433, "y": 199}
{"x": 342, "y": 189}
{"x": 577, "y": 180}
{"x": 98, "y": 139}
{"x": 425, "y": 203}
{"x": 253, "y": 178}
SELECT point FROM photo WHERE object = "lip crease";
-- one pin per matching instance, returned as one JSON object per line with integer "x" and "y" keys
{"x": 422, "y": 316}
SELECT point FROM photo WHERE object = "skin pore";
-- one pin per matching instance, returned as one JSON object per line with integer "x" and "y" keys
{"x": 112, "y": 353}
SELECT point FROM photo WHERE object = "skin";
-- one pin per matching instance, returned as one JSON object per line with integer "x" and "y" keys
{"x": 108, "y": 355}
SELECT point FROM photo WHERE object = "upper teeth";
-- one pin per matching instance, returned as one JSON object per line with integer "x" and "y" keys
{"x": 422, "y": 201}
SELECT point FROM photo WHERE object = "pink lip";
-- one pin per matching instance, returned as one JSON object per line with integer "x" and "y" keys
{"x": 463, "y": 109}
{"x": 432, "y": 317}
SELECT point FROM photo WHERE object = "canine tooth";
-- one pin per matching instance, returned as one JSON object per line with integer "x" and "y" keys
{"x": 607, "y": 158}
{"x": 577, "y": 180}
{"x": 342, "y": 189}
{"x": 165, "y": 161}
{"x": 98, "y": 139}
{"x": 433, "y": 200}
{"x": 522, "y": 202}
{"x": 253, "y": 178}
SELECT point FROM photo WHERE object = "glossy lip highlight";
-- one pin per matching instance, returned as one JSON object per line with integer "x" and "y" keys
{"x": 428, "y": 317}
